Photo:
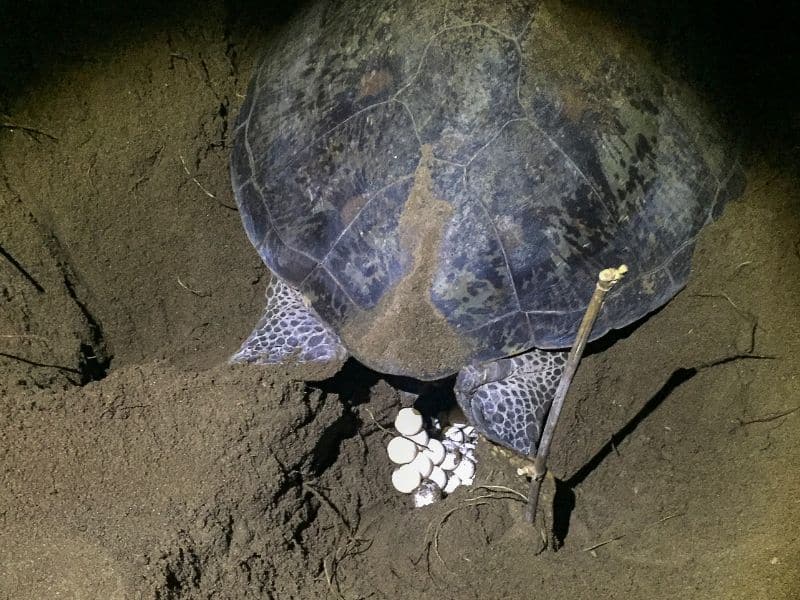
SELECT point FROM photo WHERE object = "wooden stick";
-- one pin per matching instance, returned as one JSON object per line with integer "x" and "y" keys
{"x": 605, "y": 281}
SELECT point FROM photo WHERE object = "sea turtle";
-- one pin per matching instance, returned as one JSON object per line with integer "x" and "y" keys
{"x": 436, "y": 185}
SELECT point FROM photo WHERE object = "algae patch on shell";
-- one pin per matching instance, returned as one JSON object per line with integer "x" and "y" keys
{"x": 405, "y": 334}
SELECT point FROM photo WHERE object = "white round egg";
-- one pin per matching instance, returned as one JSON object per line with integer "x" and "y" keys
{"x": 406, "y": 479}
{"x": 438, "y": 476}
{"x": 423, "y": 464}
{"x": 420, "y": 437}
{"x": 465, "y": 470}
{"x": 455, "y": 434}
{"x": 435, "y": 451}
{"x": 427, "y": 493}
{"x": 453, "y": 481}
{"x": 408, "y": 421}
{"x": 451, "y": 459}
{"x": 451, "y": 445}
{"x": 401, "y": 450}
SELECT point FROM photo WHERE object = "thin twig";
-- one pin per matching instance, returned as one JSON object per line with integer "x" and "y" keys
{"x": 502, "y": 488}
{"x": 489, "y": 497}
{"x": 441, "y": 525}
{"x": 668, "y": 517}
{"x": 330, "y": 578}
{"x": 319, "y": 496}
{"x": 31, "y": 131}
{"x": 746, "y": 314}
{"x": 374, "y": 420}
{"x": 720, "y": 295}
{"x": 607, "y": 278}
{"x": 193, "y": 291}
{"x": 193, "y": 178}
{"x": 353, "y": 542}
{"x": 203, "y": 188}
{"x": 346, "y": 550}
{"x": 30, "y": 336}
{"x": 603, "y": 543}
{"x": 622, "y": 535}
{"x": 345, "y": 523}
{"x": 472, "y": 501}
{"x": 769, "y": 417}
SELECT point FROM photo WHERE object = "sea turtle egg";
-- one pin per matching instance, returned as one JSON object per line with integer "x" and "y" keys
{"x": 451, "y": 445}
{"x": 408, "y": 421}
{"x": 450, "y": 461}
{"x": 427, "y": 493}
{"x": 455, "y": 434}
{"x": 405, "y": 479}
{"x": 465, "y": 470}
{"x": 401, "y": 450}
{"x": 420, "y": 437}
{"x": 438, "y": 477}
{"x": 452, "y": 483}
{"x": 423, "y": 464}
{"x": 435, "y": 451}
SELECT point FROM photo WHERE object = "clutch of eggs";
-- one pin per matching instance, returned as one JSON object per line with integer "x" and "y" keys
{"x": 429, "y": 467}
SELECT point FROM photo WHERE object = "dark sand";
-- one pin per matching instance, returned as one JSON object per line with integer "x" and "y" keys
{"x": 136, "y": 464}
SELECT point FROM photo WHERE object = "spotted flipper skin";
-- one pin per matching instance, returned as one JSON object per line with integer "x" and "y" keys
{"x": 507, "y": 399}
{"x": 289, "y": 331}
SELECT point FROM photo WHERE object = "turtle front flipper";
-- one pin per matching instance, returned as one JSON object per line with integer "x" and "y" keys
{"x": 290, "y": 332}
{"x": 507, "y": 399}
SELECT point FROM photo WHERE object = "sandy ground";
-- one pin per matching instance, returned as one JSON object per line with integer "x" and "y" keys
{"x": 136, "y": 463}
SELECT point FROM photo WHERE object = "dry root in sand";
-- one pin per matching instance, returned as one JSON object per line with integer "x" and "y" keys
{"x": 435, "y": 526}
{"x": 353, "y": 545}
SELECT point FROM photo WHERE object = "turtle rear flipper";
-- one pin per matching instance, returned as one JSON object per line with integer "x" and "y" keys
{"x": 289, "y": 331}
{"x": 508, "y": 399}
